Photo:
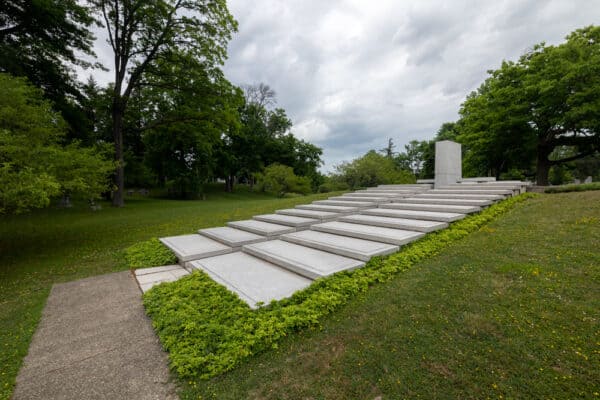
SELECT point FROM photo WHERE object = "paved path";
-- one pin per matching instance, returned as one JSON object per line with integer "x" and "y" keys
{"x": 95, "y": 342}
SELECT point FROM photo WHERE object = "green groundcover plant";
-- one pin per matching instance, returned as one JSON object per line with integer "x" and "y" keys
{"x": 573, "y": 188}
{"x": 208, "y": 330}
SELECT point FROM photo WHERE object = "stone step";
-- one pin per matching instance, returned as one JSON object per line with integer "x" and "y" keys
{"x": 360, "y": 249}
{"x": 395, "y": 222}
{"x": 288, "y": 220}
{"x": 414, "y": 214}
{"x": 316, "y": 214}
{"x": 377, "y": 199}
{"x": 372, "y": 194}
{"x": 432, "y": 207}
{"x": 150, "y": 277}
{"x": 193, "y": 247}
{"x": 305, "y": 261}
{"x": 253, "y": 279}
{"x": 261, "y": 228}
{"x": 403, "y": 187}
{"x": 328, "y": 208}
{"x": 452, "y": 202}
{"x": 400, "y": 193}
{"x": 430, "y": 195}
{"x": 346, "y": 203}
{"x": 462, "y": 191}
{"x": 486, "y": 186}
{"x": 368, "y": 232}
{"x": 233, "y": 237}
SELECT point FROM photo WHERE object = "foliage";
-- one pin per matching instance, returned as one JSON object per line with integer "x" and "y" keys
{"x": 34, "y": 166}
{"x": 42, "y": 40}
{"x": 150, "y": 253}
{"x": 209, "y": 330}
{"x": 372, "y": 169}
{"x": 280, "y": 180}
{"x": 573, "y": 188}
{"x": 526, "y": 109}
{"x": 330, "y": 184}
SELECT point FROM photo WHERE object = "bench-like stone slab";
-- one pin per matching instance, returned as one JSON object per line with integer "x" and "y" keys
{"x": 150, "y": 277}
{"x": 329, "y": 208}
{"x": 316, "y": 214}
{"x": 362, "y": 199}
{"x": 346, "y": 203}
{"x": 261, "y": 227}
{"x": 395, "y": 222}
{"x": 430, "y": 195}
{"x": 368, "y": 232}
{"x": 254, "y": 280}
{"x": 235, "y": 238}
{"x": 452, "y": 202}
{"x": 414, "y": 214}
{"x": 305, "y": 261}
{"x": 193, "y": 247}
{"x": 288, "y": 220}
{"x": 432, "y": 207}
{"x": 360, "y": 249}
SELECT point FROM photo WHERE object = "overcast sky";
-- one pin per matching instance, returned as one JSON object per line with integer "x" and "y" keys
{"x": 352, "y": 74}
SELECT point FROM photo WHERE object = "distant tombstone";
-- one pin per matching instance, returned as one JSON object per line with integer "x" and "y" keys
{"x": 130, "y": 192}
{"x": 448, "y": 163}
{"x": 588, "y": 180}
{"x": 65, "y": 202}
{"x": 144, "y": 192}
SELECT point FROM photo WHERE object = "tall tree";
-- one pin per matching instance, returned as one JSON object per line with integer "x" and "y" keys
{"x": 388, "y": 151}
{"x": 526, "y": 109}
{"x": 144, "y": 32}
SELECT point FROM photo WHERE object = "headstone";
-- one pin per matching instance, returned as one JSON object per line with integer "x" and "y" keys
{"x": 588, "y": 180}
{"x": 448, "y": 163}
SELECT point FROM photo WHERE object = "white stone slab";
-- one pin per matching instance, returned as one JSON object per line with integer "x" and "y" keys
{"x": 396, "y": 223}
{"x": 452, "y": 202}
{"x": 254, "y": 280}
{"x": 157, "y": 275}
{"x": 345, "y": 203}
{"x": 430, "y": 195}
{"x": 432, "y": 207}
{"x": 362, "y": 199}
{"x": 465, "y": 186}
{"x": 232, "y": 237}
{"x": 404, "y": 186}
{"x": 193, "y": 247}
{"x": 329, "y": 208}
{"x": 360, "y": 249}
{"x": 369, "y": 195}
{"x": 288, "y": 220}
{"x": 414, "y": 214}
{"x": 306, "y": 261}
{"x": 316, "y": 214}
{"x": 472, "y": 192}
{"x": 261, "y": 228}
{"x": 376, "y": 233}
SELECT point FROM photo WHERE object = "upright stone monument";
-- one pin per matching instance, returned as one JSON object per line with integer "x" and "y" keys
{"x": 448, "y": 163}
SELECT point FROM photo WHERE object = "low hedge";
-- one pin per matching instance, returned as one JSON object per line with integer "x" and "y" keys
{"x": 150, "y": 253}
{"x": 573, "y": 188}
{"x": 208, "y": 330}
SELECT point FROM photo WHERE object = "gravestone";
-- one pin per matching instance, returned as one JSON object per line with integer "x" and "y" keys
{"x": 448, "y": 163}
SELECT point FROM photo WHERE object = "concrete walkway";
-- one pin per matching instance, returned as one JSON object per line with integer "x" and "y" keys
{"x": 94, "y": 341}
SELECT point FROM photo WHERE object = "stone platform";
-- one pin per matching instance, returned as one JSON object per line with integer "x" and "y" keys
{"x": 271, "y": 256}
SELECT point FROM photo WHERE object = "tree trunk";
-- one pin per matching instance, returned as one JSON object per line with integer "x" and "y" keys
{"x": 543, "y": 165}
{"x": 117, "y": 128}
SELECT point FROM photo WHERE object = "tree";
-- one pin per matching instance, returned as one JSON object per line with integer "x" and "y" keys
{"x": 142, "y": 33}
{"x": 526, "y": 109}
{"x": 388, "y": 151}
{"x": 43, "y": 40}
{"x": 413, "y": 157}
{"x": 34, "y": 167}
{"x": 370, "y": 170}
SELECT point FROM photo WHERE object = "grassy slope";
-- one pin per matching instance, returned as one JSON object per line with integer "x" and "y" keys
{"x": 510, "y": 312}
{"x": 49, "y": 246}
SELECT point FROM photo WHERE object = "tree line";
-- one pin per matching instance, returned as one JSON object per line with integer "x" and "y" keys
{"x": 171, "y": 117}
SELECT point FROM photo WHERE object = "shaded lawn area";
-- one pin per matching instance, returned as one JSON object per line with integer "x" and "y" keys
{"x": 59, "y": 245}
{"x": 513, "y": 311}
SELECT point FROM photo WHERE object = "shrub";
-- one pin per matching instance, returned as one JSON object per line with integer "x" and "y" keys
{"x": 573, "y": 188}
{"x": 372, "y": 169}
{"x": 151, "y": 253}
{"x": 280, "y": 179}
{"x": 209, "y": 330}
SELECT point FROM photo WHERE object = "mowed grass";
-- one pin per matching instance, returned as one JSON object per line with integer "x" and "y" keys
{"x": 59, "y": 245}
{"x": 511, "y": 312}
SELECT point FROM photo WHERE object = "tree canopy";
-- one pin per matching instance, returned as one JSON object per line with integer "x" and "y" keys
{"x": 527, "y": 109}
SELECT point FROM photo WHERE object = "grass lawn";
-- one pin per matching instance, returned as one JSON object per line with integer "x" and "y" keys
{"x": 512, "y": 311}
{"x": 50, "y": 246}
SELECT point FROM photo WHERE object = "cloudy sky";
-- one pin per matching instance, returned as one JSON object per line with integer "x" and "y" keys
{"x": 353, "y": 73}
